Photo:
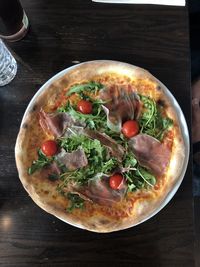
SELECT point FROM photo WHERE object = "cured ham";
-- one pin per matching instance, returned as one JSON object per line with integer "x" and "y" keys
{"x": 55, "y": 123}
{"x": 150, "y": 153}
{"x": 121, "y": 104}
{"x": 99, "y": 191}
{"x": 74, "y": 160}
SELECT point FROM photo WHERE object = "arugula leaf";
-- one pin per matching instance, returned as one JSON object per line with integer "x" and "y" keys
{"x": 166, "y": 124}
{"x": 41, "y": 162}
{"x": 76, "y": 202}
{"x": 137, "y": 177}
{"x": 109, "y": 165}
{"x": 65, "y": 108}
{"x": 118, "y": 137}
{"x": 133, "y": 181}
{"x": 92, "y": 86}
{"x": 130, "y": 160}
{"x": 146, "y": 176}
{"x": 151, "y": 121}
{"x": 72, "y": 143}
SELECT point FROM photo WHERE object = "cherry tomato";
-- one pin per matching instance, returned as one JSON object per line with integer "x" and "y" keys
{"x": 130, "y": 128}
{"x": 49, "y": 148}
{"x": 84, "y": 106}
{"x": 116, "y": 181}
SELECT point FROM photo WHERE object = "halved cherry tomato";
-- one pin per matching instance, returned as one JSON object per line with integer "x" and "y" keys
{"x": 116, "y": 181}
{"x": 49, "y": 148}
{"x": 84, "y": 106}
{"x": 130, "y": 128}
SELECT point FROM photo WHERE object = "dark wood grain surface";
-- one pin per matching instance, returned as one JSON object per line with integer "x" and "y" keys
{"x": 63, "y": 33}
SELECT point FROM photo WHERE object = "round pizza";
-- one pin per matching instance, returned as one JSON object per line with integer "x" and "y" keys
{"x": 102, "y": 146}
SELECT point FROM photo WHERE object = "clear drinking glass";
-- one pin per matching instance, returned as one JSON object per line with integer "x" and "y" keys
{"x": 8, "y": 65}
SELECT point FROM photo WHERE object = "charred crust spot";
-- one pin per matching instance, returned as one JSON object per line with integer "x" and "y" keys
{"x": 93, "y": 226}
{"x": 34, "y": 108}
{"x": 180, "y": 139}
{"x": 158, "y": 87}
{"x": 104, "y": 221}
{"x": 161, "y": 103}
{"x": 25, "y": 125}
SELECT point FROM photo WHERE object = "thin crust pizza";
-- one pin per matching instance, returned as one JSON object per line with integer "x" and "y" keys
{"x": 101, "y": 146}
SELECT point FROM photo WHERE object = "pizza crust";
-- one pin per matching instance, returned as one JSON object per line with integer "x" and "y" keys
{"x": 44, "y": 193}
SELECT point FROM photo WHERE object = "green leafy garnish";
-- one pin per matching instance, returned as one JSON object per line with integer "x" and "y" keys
{"x": 130, "y": 160}
{"x": 146, "y": 176}
{"x": 41, "y": 162}
{"x": 138, "y": 179}
{"x": 92, "y": 87}
{"x": 109, "y": 165}
{"x": 151, "y": 121}
{"x": 118, "y": 137}
{"x": 136, "y": 176}
{"x": 75, "y": 141}
{"x": 76, "y": 202}
{"x": 99, "y": 161}
{"x": 96, "y": 120}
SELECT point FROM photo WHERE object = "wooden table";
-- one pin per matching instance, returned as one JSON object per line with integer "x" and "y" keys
{"x": 63, "y": 33}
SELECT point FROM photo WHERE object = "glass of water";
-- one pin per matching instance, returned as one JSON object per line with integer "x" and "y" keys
{"x": 8, "y": 65}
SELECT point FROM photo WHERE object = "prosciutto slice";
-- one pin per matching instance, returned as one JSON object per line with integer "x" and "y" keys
{"x": 122, "y": 104}
{"x": 99, "y": 191}
{"x": 55, "y": 123}
{"x": 150, "y": 153}
{"x": 74, "y": 160}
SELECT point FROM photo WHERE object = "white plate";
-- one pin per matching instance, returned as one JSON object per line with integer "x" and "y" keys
{"x": 181, "y": 119}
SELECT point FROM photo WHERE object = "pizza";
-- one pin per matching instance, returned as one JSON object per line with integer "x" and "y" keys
{"x": 101, "y": 146}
